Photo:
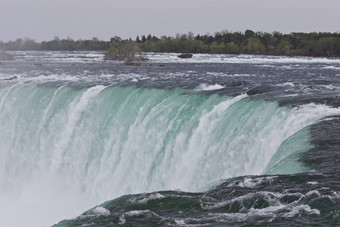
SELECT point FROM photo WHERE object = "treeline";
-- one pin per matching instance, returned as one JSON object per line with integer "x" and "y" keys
{"x": 56, "y": 44}
{"x": 248, "y": 42}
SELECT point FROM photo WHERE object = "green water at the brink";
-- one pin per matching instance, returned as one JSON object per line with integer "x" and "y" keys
{"x": 112, "y": 141}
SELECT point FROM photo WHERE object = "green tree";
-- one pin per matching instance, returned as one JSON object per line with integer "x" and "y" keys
{"x": 232, "y": 48}
{"x": 324, "y": 47}
{"x": 282, "y": 48}
{"x": 254, "y": 46}
{"x": 143, "y": 39}
{"x": 249, "y": 33}
{"x": 268, "y": 42}
{"x": 217, "y": 48}
{"x": 138, "y": 40}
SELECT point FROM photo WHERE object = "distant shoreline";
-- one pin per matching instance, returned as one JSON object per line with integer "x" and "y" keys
{"x": 248, "y": 42}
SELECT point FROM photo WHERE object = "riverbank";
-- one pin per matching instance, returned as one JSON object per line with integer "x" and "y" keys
{"x": 248, "y": 42}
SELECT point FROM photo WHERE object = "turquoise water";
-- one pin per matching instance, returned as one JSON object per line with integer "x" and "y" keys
{"x": 88, "y": 145}
{"x": 158, "y": 139}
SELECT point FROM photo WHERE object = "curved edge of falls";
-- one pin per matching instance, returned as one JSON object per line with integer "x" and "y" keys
{"x": 104, "y": 142}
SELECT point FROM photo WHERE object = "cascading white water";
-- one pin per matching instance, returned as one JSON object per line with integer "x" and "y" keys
{"x": 65, "y": 149}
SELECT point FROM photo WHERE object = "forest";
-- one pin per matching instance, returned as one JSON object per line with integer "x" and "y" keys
{"x": 319, "y": 44}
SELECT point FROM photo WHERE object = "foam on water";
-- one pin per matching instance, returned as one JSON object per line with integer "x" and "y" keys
{"x": 151, "y": 197}
{"x": 59, "y": 56}
{"x": 98, "y": 57}
{"x": 100, "y": 211}
{"x": 244, "y": 59}
{"x": 273, "y": 210}
{"x": 286, "y": 84}
{"x": 207, "y": 87}
{"x": 251, "y": 182}
{"x": 331, "y": 67}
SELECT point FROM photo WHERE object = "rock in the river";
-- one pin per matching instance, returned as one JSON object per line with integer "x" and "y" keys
{"x": 186, "y": 55}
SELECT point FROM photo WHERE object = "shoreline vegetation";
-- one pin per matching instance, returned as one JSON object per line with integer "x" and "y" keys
{"x": 248, "y": 42}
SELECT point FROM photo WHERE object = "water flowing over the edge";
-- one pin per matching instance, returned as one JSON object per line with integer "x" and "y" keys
{"x": 60, "y": 145}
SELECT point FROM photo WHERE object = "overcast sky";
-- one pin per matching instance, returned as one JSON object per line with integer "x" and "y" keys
{"x": 80, "y": 19}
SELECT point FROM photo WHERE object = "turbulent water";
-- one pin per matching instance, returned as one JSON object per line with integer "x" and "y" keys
{"x": 212, "y": 140}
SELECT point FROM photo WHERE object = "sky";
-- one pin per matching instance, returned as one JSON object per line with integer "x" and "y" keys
{"x": 85, "y": 19}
